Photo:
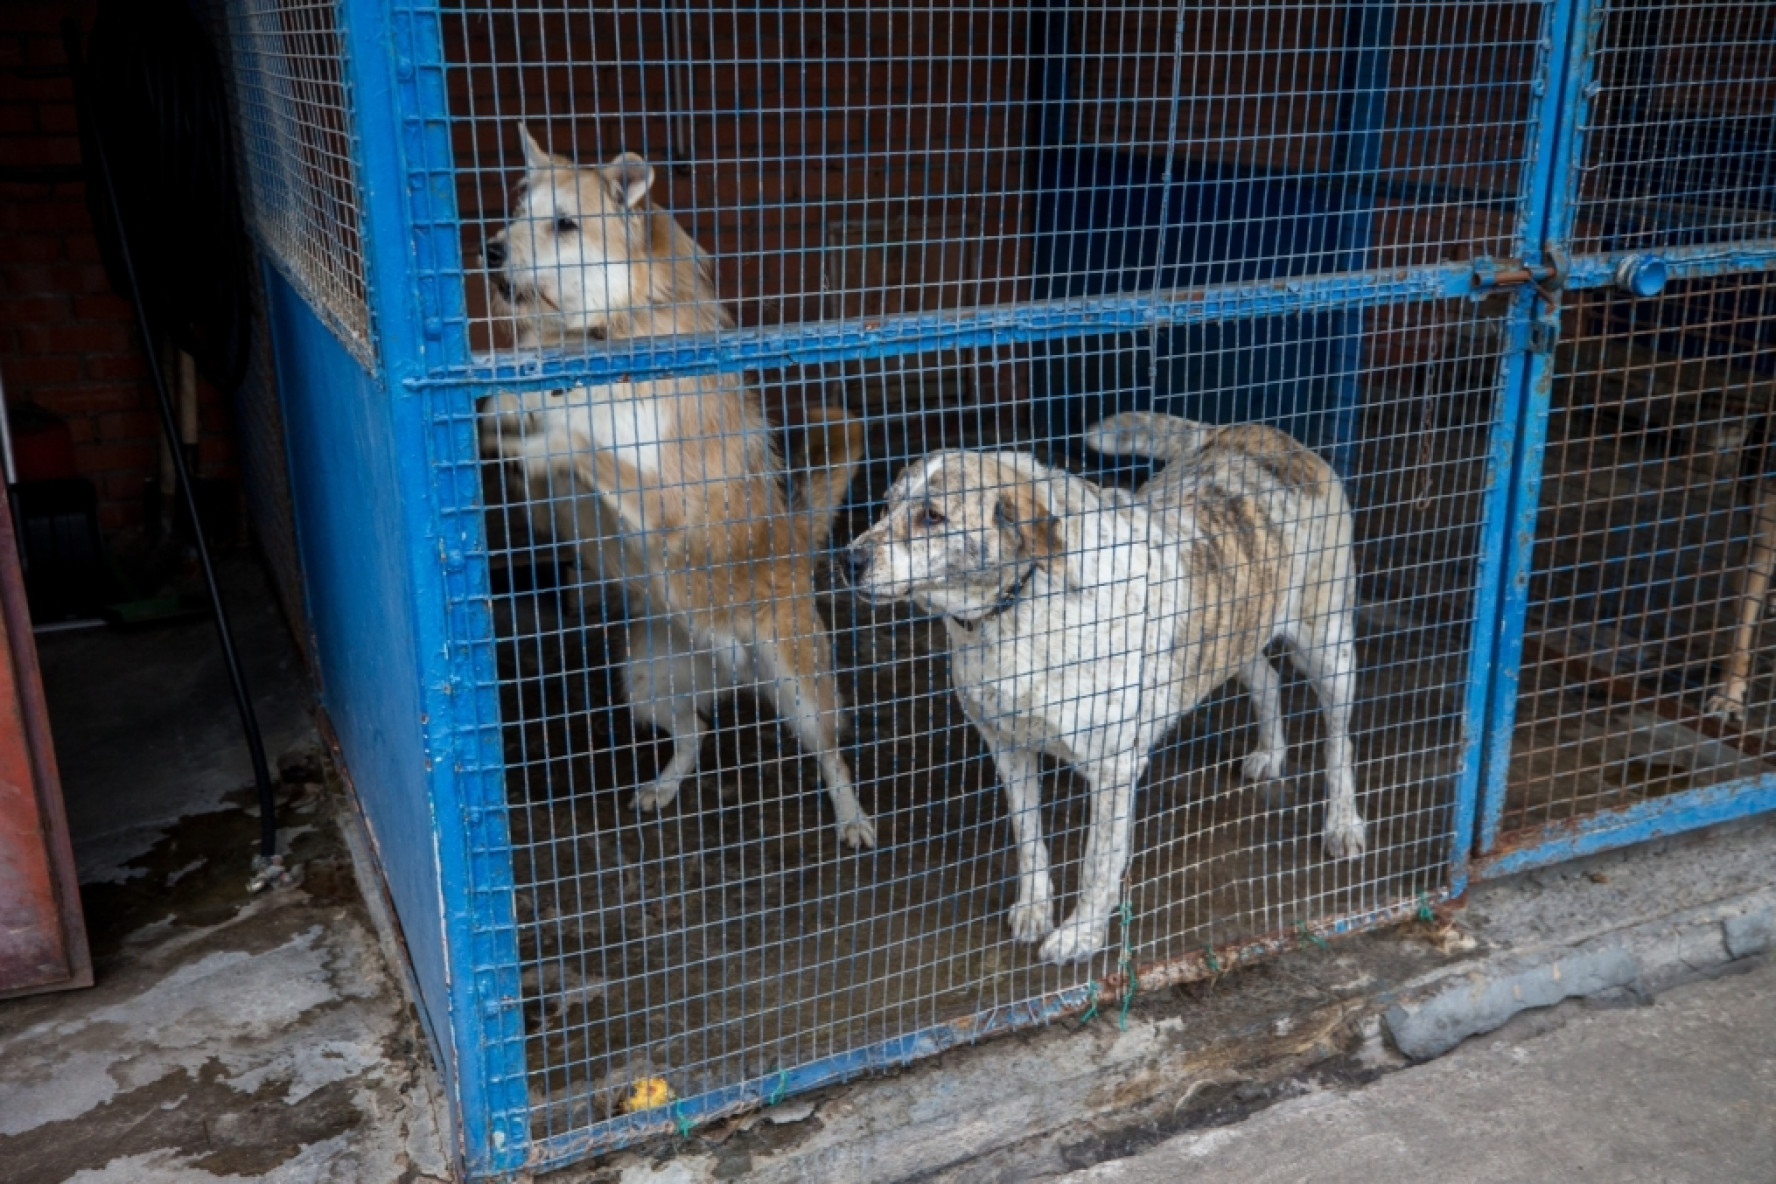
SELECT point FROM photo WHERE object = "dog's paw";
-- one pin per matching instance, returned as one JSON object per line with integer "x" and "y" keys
{"x": 1721, "y": 705}
{"x": 1266, "y": 764}
{"x": 858, "y": 833}
{"x": 654, "y": 796}
{"x": 1032, "y": 920}
{"x": 1344, "y": 838}
{"x": 1074, "y": 941}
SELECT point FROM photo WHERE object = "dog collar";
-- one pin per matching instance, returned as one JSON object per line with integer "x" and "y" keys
{"x": 1006, "y": 599}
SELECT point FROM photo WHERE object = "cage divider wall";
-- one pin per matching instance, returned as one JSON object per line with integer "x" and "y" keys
{"x": 979, "y": 225}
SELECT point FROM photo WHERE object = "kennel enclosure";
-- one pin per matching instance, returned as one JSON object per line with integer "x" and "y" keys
{"x": 1505, "y": 266}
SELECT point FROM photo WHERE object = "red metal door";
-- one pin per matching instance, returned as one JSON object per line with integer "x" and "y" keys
{"x": 42, "y": 933}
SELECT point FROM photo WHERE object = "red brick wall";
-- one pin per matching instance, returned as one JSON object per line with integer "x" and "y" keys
{"x": 67, "y": 342}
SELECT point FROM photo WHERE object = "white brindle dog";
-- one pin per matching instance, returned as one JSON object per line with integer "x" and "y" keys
{"x": 1084, "y": 622}
{"x": 670, "y": 486}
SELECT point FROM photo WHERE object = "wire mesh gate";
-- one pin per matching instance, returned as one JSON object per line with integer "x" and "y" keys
{"x": 1640, "y": 550}
{"x": 853, "y": 236}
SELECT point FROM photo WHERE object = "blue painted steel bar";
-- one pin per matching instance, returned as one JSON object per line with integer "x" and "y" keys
{"x": 1505, "y": 459}
{"x": 687, "y": 1113}
{"x": 1043, "y": 320}
{"x": 1554, "y": 170}
{"x": 816, "y": 342}
{"x": 1501, "y": 467}
{"x": 1681, "y": 263}
{"x": 1679, "y": 812}
{"x": 410, "y": 226}
{"x": 1362, "y": 109}
{"x": 435, "y": 263}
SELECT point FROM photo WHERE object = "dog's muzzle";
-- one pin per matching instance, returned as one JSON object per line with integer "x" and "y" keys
{"x": 856, "y": 565}
{"x": 495, "y": 254}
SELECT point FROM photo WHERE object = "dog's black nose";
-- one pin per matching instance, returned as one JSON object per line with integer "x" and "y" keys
{"x": 495, "y": 254}
{"x": 857, "y": 561}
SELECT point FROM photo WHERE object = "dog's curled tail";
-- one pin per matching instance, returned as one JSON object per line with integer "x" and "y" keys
{"x": 1149, "y": 434}
{"x": 833, "y": 445}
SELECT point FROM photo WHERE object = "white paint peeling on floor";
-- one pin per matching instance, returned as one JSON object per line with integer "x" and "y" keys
{"x": 280, "y": 1023}
{"x": 230, "y": 1037}
{"x": 223, "y": 1006}
{"x": 330, "y": 1161}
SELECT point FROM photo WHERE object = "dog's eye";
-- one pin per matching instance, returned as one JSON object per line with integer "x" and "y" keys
{"x": 928, "y": 517}
{"x": 566, "y": 225}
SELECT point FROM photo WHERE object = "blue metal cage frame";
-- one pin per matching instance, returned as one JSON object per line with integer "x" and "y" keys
{"x": 391, "y": 531}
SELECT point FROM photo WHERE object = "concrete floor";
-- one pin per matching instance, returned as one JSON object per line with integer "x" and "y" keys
{"x": 229, "y": 1036}
{"x": 1681, "y": 1089}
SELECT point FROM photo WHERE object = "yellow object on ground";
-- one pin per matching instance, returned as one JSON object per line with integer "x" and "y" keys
{"x": 648, "y": 1093}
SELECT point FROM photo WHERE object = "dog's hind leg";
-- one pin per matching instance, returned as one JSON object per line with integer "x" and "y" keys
{"x": 817, "y": 728}
{"x": 1328, "y": 656}
{"x": 1754, "y": 589}
{"x": 1270, "y": 758}
{"x": 803, "y": 690}
{"x": 664, "y": 681}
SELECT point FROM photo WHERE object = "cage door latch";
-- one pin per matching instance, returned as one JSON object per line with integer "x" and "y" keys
{"x": 1548, "y": 277}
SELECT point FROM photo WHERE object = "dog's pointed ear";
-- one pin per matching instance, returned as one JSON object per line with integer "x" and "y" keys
{"x": 1020, "y": 509}
{"x": 628, "y": 177}
{"x": 535, "y": 155}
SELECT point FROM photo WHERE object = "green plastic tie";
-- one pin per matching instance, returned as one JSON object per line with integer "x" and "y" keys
{"x": 1424, "y": 908}
{"x": 1091, "y": 1012}
{"x": 1210, "y": 961}
{"x": 685, "y": 1124}
{"x": 1308, "y": 935}
{"x": 780, "y": 1090}
{"x": 1131, "y": 983}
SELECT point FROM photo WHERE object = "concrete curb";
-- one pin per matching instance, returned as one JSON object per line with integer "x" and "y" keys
{"x": 1431, "y": 1017}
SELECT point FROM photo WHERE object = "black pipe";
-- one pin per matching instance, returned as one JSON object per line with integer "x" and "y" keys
{"x": 170, "y": 425}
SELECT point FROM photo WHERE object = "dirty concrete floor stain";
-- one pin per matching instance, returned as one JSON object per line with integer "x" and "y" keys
{"x": 228, "y": 1037}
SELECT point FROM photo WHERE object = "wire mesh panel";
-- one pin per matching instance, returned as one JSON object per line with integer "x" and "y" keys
{"x": 1679, "y": 133}
{"x": 1641, "y": 667}
{"x": 1647, "y": 543}
{"x": 295, "y": 128}
{"x": 770, "y": 821}
{"x": 732, "y": 933}
{"x": 849, "y": 160}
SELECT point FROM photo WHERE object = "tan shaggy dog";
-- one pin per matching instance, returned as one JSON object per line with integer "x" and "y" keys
{"x": 670, "y": 485}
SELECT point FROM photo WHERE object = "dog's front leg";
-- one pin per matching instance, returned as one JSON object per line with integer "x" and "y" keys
{"x": 1082, "y": 934}
{"x": 1754, "y": 589}
{"x": 1020, "y": 772}
{"x": 1331, "y": 666}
